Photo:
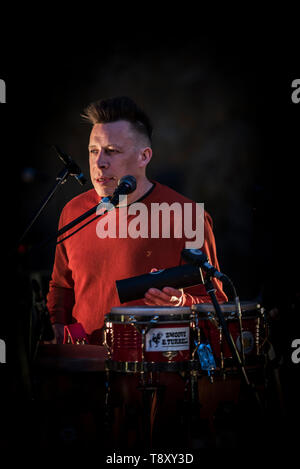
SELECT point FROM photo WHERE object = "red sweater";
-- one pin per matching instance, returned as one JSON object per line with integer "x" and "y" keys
{"x": 82, "y": 288}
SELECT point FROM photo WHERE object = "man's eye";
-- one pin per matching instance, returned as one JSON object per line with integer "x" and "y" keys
{"x": 93, "y": 152}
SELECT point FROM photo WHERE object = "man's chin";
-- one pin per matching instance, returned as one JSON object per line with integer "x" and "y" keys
{"x": 103, "y": 192}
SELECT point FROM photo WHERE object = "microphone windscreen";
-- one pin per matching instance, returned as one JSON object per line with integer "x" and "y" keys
{"x": 126, "y": 185}
{"x": 134, "y": 288}
{"x": 194, "y": 256}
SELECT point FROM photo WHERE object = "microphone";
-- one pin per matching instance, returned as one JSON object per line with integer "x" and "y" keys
{"x": 135, "y": 288}
{"x": 126, "y": 185}
{"x": 73, "y": 167}
{"x": 197, "y": 257}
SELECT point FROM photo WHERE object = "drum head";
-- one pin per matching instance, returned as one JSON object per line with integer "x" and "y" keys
{"x": 145, "y": 314}
{"x": 227, "y": 308}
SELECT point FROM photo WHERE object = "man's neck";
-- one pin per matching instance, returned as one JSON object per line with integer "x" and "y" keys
{"x": 142, "y": 188}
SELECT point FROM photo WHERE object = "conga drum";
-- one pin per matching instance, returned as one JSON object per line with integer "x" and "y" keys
{"x": 226, "y": 383}
{"x": 152, "y": 346}
{"x": 254, "y": 331}
{"x": 149, "y": 338}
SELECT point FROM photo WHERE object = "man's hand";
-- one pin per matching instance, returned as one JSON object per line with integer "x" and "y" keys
{"x": 168, "y": 296}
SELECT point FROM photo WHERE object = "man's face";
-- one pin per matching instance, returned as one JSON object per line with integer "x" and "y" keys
{"x": 114, "y": 152}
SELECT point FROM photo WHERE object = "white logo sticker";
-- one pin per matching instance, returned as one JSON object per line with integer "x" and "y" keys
{"x": 163, "y": 339}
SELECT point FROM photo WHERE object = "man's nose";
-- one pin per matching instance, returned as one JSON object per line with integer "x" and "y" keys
{"x": 102, "y": 160}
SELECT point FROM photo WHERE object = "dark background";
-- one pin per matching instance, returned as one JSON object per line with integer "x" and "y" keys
{"x": 226, "y": 133}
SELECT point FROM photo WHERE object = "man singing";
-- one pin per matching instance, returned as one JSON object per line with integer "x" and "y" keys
{"x": 86, "y": 267}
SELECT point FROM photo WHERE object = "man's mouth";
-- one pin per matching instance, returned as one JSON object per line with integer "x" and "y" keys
{"x": 104, "y": 180}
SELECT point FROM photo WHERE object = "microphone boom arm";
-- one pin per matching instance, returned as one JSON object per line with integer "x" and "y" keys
{"x": 70, "y": 169}
{"x": 60, "y": 179}
{"x": 126, "y": 185}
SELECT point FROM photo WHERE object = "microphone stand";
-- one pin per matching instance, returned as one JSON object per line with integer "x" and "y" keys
{"x": 70, "y": 225}
{"x": 68, "y": 170}
{"x": 108, "y": 203}
{"x": 60, "y": 179}
{"x": 76, "y": 221}
{"x": 210, "y": 289}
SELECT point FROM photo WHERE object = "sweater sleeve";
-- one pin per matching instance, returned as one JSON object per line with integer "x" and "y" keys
{"x": 61, "y": 298}
{"x": 198, "y": 294}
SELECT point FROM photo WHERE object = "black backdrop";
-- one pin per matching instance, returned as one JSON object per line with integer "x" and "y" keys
{"x": 225, "y": 133}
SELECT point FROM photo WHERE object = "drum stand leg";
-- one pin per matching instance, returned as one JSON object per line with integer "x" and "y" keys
{"x": 111, "y": 421}
{"x": 107, "y": 406}
{"x": 150, "y": 397}
{"x": 194, "y": 405}
{"x": 198, "y": 435}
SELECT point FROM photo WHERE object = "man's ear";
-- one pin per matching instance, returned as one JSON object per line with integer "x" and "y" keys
{"x": 144, "y": 157}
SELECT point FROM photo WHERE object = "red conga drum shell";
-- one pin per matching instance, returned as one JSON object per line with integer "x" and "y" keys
{"x": 252, "y": 327}
{"x": 166, "y": 332}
